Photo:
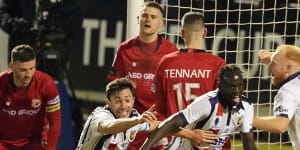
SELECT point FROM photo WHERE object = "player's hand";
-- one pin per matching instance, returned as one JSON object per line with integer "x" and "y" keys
{"x": 202, "y": 136}
{"x": 148, "y": 116}
{"x": 265, "y": 56}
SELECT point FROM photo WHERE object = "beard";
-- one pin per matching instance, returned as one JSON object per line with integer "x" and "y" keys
{"x": 277, "y": 81}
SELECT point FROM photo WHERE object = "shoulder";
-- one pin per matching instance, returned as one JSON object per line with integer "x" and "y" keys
{"x": 210, "y": 97}
{"x": 128, "y": 44}
{"x": 246, "y": 100}
{"x": 215, "y": 58}
{"x": 41, "y": 76}
{"x": 291, "y": 87}
{"x": 5, "y": 74}
{"x": 166, "y": 44}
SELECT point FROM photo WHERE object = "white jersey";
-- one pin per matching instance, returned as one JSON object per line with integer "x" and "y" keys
{"x": 207, "y": 113}
{"x": 287, "y": 104}
{"x": 92, "y": 139}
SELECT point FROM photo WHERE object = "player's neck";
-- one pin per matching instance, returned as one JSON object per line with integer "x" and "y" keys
{"x": 194, "y": 45}
{"x": 147, "y": 38}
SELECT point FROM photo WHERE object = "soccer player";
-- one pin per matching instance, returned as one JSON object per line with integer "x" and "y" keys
{"x": 186, "y": 74}
{"x": 115, "y": 125}
{"x": 28, "y": 99}
{"x": 222, "y": 111}
{"x": 284, "y": 65}
{"x": 137, "y": 58}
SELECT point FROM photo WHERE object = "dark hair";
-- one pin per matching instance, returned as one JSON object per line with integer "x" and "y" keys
{"x": 228, "y": 68}
{"x": 154, "y": 5}
{"x": 192, "y": 17}
{"x": 22, "y": 53}
{"x": 119, "y": 84}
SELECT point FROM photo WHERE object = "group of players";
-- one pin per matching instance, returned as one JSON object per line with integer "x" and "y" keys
{"x": 188, "y": 98}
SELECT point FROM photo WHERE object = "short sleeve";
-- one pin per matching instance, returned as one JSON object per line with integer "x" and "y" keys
{"x": 196, "y": 111}
{"x": 247, "y": 124}
{"x": 284, "y": 104}
{"x": 99, "y": 118}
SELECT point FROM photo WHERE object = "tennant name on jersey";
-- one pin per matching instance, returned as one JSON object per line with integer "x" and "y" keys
{"x": 187, "y": 73}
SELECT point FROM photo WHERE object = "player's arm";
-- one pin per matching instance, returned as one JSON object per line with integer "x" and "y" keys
{"x": 271, "y": 124}
{"x": 169, "y": 127}
{"x": 53, "y": 113}
{"x": 119, "y": 125}
{"x": 196, "y": 136}
{"x": 265, "y": 56}
{"x": 54, "y": 118}
{"x": 248, "y": 141}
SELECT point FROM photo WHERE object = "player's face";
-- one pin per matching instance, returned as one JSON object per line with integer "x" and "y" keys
{"x": 150, "y": 21}
{"x": 23, "y": 72}
{"x": 277, "y": 69}
{"x": 231, "y": 86}
{"x": 121, "y": 103}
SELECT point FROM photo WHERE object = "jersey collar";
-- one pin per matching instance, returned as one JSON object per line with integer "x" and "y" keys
{"x": 291, "y": 77}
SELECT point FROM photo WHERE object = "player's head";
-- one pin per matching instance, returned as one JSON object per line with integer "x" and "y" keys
{"x": 23, "y": 65}
{"x": 120, "y": 95}
{"x": 150, "y": 18}
{"x": 192, "y": 26}
{"x": 230, "y": 84}
{"x": 284, "y": 62}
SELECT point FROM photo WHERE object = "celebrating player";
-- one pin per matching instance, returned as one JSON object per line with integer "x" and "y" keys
{"x": 284, "y": 66}
{"x": 222, "y": 111}
{"x": 137, "y": 58}
{"x": 186, "y": 74}
{"x": 116, "y": 125}
{"x": 28, "y": 99}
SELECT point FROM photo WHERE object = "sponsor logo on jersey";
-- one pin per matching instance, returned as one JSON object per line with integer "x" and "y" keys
{"x": 281, "y": 109}
{"x": 21, "y": 112}
{"x": 35, "y": 103}
{"x": 138, "y": 75}
{"x": 53, "y": 108}
{"x": 54, "y": 101}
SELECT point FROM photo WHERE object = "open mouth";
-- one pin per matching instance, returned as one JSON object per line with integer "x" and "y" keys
{"x": 147, "y": 26}
{"x": 236, "y": 99}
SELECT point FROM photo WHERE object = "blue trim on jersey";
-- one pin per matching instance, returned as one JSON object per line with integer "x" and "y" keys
{"x": 293, "y": 76}
{"x": 213, "y": 101}
{"x": 283, "y": 115}
{"x": 181, "y": 116}
{"x": 146, "y": 127}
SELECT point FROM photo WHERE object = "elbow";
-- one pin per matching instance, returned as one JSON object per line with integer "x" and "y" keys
{"x": 281, "y": 129}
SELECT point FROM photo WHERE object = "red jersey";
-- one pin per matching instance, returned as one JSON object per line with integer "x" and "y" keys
{"x": 23, "y": 111}
{"x": 181, "y": 77}
{"x": 132, "y": 62}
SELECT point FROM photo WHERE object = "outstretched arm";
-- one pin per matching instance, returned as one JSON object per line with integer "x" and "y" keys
{"x": 120, "y": 125}
{"x": 248, "y": 141}
{"x": 171, "y": 126}
{"x": 271, "y": 124}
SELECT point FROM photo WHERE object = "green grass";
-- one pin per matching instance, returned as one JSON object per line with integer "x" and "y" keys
{"x": 237, "y": 145}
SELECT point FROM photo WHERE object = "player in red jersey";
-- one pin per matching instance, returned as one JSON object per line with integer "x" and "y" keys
{"x": 137, "y": 58}
{"x": 28, "y": 100}
{"x": 186, "y": 74}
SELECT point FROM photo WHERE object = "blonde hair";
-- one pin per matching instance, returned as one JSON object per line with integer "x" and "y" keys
{"x": 291, "y": 53}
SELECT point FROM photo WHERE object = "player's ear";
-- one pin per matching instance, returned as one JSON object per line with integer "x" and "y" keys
{"x": 138, "y": 19}
{"x": 11, "y": 66}
{"x": 204, "y": 32}
{"x": 182, "y": 33}
{"x": 108, "y": 102}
